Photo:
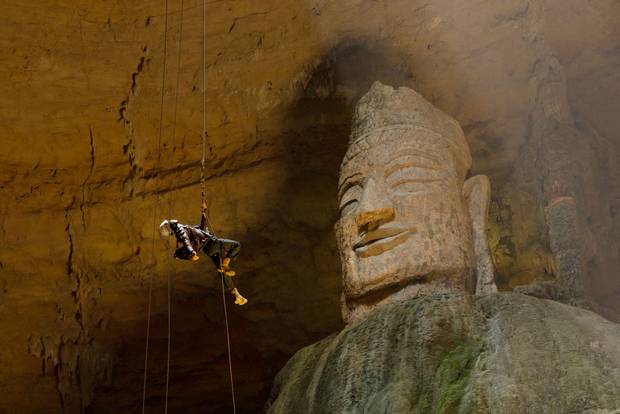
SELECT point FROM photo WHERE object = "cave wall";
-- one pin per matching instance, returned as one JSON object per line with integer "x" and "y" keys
{"x": 85, "y": 176}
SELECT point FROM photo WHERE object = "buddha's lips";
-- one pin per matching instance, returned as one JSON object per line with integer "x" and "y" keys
{"x": 380, "y": 236}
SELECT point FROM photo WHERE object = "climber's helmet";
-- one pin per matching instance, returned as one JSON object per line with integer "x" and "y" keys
{"x": 165, "y": 229}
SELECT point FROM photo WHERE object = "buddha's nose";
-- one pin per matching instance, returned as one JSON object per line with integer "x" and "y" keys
{"x": 375, "y": 207}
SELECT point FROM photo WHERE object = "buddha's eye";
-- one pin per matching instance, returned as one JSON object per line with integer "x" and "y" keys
{"x": 413, "y": 180}
{"x": 349, "y": 199}
{"x": 410, "y": 186}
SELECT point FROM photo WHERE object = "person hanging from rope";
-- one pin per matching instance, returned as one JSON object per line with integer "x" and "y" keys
{"x": 193, "y": 239}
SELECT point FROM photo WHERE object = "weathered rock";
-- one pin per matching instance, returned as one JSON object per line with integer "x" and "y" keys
{"x": 477, "y": 191}
{"x": 410, "y": 224}
{"x": 502, "y": 353}
{"x": 80, "y": 178}
{"x": 568, "y": 243}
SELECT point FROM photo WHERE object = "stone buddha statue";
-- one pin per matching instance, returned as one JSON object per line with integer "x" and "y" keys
{"x": 410, "y": 224}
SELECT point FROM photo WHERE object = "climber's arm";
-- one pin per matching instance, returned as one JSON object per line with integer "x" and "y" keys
{"x": 180, "y": 232}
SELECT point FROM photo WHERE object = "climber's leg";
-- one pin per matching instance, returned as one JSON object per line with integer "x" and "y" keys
{"x": 222, "y": 251}
{"x": 229, "y": 250}
{"x": 232, "y": 289}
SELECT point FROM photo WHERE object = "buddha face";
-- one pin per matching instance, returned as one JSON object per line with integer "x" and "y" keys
{"x": 403, "y": 218}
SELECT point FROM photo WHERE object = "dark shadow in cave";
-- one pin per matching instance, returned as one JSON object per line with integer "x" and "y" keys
{"x": 314, "y": 137}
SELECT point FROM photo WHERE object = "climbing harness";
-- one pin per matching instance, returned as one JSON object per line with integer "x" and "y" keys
{"x": 203, "y": 202}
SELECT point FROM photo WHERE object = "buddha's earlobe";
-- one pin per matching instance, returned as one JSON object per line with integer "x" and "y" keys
{"x": 477, "y": 192}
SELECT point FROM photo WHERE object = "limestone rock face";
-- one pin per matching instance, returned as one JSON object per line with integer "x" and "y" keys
{"x": 82, "y": 175}
{"x": 503, "y": 353}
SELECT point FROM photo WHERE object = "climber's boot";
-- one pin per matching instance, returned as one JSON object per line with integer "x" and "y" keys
{"x": 225, "y": 268}
{"x": 227, "y": 272}
{"x": 239, "y": 300}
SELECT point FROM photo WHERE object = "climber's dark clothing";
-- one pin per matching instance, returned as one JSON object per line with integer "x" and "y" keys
{"x": 192, "y": 239}
{"x": 217, "y": 249}
{"x": 229, "y": 283}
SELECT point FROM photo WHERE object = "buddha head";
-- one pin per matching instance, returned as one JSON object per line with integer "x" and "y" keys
{"x": 405, "y": 226}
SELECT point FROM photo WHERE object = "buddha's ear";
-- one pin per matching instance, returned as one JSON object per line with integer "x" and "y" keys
{"x": 477, "y": 192}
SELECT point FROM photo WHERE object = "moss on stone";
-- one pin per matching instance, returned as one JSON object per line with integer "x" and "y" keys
{"x": 453, "y": 376}
{"x": 503, "y": 353}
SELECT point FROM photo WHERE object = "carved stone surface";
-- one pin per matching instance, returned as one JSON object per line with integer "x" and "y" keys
{"x": 568, "y": 168}
{"x": 502, "y": 353}
{"x": 566, "y": 236}
{"x": 405, "y": 225}
{"x": 79, "y": 177}
{"x": 477, "y": 192}
{"x": 569, "y": 247}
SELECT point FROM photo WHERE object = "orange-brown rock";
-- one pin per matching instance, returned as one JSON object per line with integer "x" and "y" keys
{"x": 84, "y": 178}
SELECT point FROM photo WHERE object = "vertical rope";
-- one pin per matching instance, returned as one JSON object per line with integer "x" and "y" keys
{"x": 169, "y": 324}
{"x": 161, "y": 122}
{"x": 174, "y": 132}
{"x": 204, "y": 192}
{"x": 230, "y": 371}
{"x": 203, "y": 196}
{"x": 204, "y": 103}
{"x": 203, "y": 183}
{"x": 176, "y": 94}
